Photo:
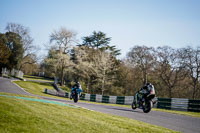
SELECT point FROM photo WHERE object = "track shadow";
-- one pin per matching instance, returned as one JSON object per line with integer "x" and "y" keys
{"x": 123, "y": 109}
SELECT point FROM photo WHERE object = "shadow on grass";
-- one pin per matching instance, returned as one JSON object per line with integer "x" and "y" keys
{"x": 41, "y": 83}
{"x": 37, "y": 77}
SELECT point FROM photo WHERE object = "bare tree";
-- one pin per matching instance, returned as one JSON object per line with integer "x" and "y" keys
{"x": 142, "y": 57}
{"x": 169, "y": 67}
{"x": 191, "y": 58}
{"x": 62, "y": 38}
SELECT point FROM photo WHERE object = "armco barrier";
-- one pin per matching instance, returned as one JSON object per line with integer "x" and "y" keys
{"x": 99, "y": 98}
{"x": 194, "y": 105}
{"x": 93, "y": 98}
{"x": 163, "y": 103}
{"x": 105, "y": 99}
{"x": 112, "y": 99}
{"x": 120, "y": 100}
{"x": 179, "y": 104}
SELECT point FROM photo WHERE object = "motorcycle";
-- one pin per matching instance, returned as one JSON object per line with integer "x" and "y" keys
{"x": 144, "y": 100}
{"x": 74, "y": 95}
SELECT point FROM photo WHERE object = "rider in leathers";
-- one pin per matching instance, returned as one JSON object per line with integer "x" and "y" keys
{"x": 78, "y": 88}
{"x": 145, "y": 90}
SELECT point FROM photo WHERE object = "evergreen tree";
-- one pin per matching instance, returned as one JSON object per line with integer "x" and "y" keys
{"x": 13, "y": 42}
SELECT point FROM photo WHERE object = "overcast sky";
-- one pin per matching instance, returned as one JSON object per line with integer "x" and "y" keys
{"x": 175, "y": 23}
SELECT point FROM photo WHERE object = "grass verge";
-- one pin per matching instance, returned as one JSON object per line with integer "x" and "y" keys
{"x": 34, "y": 87}
{"x": 38, "y": 89}
{"x": 19, "y": 115}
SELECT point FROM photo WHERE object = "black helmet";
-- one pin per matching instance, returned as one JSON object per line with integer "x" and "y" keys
{"x": 147, "y": 84}
{"x": 77, "y": 83}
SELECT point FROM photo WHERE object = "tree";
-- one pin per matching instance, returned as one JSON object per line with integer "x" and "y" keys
{"x": 191, "y": 59}
{"x": 96, "y": 40}
{"x": 27, "y": 41}
{"x": 169, "y": 67}
{"x": 30, "y": 66}
{"x": 83, "y": 68}
{"x": 143, "y": 58}
{"x": 24, "y": 33}
{"x": 103, "y": 64}
{"x": 4, "y": 55}
{"x": 62, "y": 38}
{"x": 14, "y": 44}
{"x": 95, "y": 66}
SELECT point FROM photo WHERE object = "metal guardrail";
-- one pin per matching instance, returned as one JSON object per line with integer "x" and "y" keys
{"x": 179, "y": 104}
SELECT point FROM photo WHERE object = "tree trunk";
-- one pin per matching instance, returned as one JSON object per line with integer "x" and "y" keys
{"x": 62, "y": 76}
{"x": 144, "y": 77}
{"x": 194, "y": 92}
{"x": 170, "y": 92}
{"x": 103, "y": 82}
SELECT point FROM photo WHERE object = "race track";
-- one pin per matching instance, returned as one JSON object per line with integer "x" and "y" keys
{"x": 172, "y": 121}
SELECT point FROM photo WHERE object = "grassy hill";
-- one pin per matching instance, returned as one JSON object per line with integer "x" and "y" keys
{"x": 19, "y": 115}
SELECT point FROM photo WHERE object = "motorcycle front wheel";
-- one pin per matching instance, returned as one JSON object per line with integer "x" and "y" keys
{"x": 133, "y": 105}
{"x": 75, "y": 98}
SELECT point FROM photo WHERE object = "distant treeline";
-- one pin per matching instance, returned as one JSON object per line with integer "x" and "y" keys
{"x": 94, "y": 63}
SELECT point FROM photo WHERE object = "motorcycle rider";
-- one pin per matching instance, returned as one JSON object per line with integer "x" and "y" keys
{"x": 78, "y": 88}
{"x": 145, "y": 90}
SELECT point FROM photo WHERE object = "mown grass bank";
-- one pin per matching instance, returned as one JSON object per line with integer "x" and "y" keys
{"x": 34, "y": 87}
{"x": 19, "y": 115}
{"x": 38, "y": 89}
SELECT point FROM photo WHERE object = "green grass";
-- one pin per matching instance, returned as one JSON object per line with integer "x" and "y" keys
{"x": 34, "y": 87}
{"x": 36, "y": 78}
{"x": 38, "y": 89}
{"x": 29, "y": 116}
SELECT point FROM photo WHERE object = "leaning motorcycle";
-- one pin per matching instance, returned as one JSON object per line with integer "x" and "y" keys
{"x": 144, "y": 100}
{"x": 75, "y": 95}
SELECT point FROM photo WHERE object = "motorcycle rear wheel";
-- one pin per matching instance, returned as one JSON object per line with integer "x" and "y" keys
{"x": 147, "y": 107}
{"x": 75, "y": 98}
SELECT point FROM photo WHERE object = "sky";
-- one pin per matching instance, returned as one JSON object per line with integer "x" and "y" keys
{"x": 174, "y": 23}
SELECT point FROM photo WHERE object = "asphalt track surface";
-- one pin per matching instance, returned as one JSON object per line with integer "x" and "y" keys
{"x": 176, "y": 122}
